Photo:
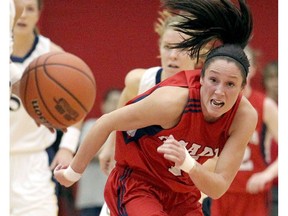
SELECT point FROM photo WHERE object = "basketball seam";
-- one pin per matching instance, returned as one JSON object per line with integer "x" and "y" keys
{"x": 43, "y": 101}
{"x": 77, "y": 69}
{"x": 60, "y": 53}
{"x": 75, "y": 98}
{"x": 68, "y": 66}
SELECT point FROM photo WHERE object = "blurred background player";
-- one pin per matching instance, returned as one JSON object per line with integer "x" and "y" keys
{"x": 32, "y": 189}
{"x": 270, "y": 81}
{"x": 15, "y": 13}
{"x": 90, "y": 188}
{"x": 254, "y": 178}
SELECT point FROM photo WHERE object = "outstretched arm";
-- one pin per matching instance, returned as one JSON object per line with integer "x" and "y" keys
{"x": 170, "y": 102}
{"x": 106, "y": 155}
{"x": 68, "y": 146}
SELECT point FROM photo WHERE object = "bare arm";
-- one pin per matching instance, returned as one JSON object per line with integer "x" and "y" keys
{"x": 257, "y": 182}
{"x": 106, "y": 155}
{"x": 215, "y": 183}
{"x": 132, "y": 82}
{"x": 68, "y": 145}
{"x": 170, "y": 102}
{"x": 270, "y": 116}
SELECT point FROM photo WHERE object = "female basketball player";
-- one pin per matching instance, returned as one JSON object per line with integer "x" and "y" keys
{"x": 32, "y": 189}
{"x": 139, "y": 80}
{"x": 270, "y": 80}
{"x": 166, "y": 133}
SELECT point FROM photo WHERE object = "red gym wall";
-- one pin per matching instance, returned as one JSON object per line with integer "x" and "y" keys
{"x": 116, "y": 36}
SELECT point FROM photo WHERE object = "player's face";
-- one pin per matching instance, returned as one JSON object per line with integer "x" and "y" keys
{"x": 271, "y": 84}
{"x": 174, "y": 60}
{"x": 220, "y": 88}
{"x": 29, "y": 17}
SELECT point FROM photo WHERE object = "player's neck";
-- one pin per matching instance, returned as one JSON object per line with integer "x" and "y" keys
{"x": 166, "y": 75}
{"x": 23, "y": 44}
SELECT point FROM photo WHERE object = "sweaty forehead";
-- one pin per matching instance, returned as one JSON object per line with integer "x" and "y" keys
{"x": 29, "y": 2}
{"x": 224, "y": 67}
{"x": 172, "y": 35}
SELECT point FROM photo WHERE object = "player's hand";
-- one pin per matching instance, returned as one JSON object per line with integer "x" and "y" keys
{"x": 106, "y": 160}
{"x": 63, "y": 156}
{"x": 257, "y": 182}
{"x": 173, "y": 151}
{"x": 59, "y": 176}
{"x": 51, "y": 129}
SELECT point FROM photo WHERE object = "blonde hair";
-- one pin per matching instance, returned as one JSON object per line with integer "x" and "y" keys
{"x": 252, "y": 54}
{"x": 165, "y": 21}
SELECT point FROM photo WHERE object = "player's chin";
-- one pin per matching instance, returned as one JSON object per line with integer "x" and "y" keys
{"x": 172, "y": 70}
{"x": 214, "y": 114}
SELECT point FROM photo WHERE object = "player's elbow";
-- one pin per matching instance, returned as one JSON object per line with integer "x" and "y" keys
{"x": 219, "y": 190}
{"x": 217, "y": 195}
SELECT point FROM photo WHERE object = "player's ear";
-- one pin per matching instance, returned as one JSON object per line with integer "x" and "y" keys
{"x": 201, "y": 80}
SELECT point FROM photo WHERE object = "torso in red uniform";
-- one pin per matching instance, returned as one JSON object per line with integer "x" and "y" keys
{"x": 136, "y": 150}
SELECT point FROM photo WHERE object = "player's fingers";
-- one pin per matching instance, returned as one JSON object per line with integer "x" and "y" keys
{"x": 53, "y": 165}
{"x": 58, "y": 167}
{"x": 173, "y": 142}
{"x": 104, "y": 166}
{"x": 171, "y": 150}
{"x": 168, "y": 147}
{"x": 37, "y": 123}
{"x": 173, "y": 158}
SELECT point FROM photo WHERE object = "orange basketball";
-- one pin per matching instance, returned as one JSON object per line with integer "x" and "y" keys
{"x": 58, "y": 89}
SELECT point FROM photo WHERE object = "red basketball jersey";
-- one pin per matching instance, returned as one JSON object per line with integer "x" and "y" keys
{"x": 137, "y": 149}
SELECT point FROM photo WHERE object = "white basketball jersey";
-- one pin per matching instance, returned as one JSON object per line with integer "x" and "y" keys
{"x": 148, "y": 79}
{"x": 25, "y": 135}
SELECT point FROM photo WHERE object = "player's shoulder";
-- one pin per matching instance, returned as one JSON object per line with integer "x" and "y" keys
{"x": 247, "y": 111}
{"x": 245, "y": 119}
{"x": 134, "y": 76}
{"x": 54, "y": 47}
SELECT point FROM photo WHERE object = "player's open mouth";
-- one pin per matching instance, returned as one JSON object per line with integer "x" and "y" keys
{"x": 172, "y": 66}
{"x": 21, "y": 24}
{"x": 216, "y": 103}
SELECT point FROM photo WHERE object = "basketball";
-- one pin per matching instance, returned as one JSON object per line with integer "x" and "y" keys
{"x": 58, "y": 89}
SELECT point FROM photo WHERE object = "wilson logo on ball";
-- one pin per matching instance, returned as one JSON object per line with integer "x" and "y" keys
{"x": 64, "y": 108}
{"x": 38, "y": 112}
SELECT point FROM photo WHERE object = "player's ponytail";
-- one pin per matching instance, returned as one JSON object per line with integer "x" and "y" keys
{"x": 210, "y": 20}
